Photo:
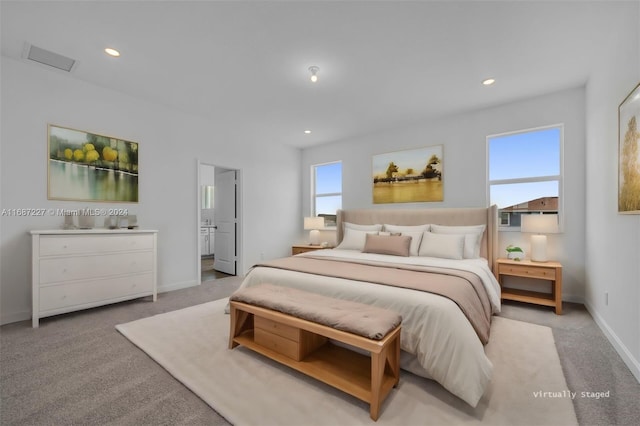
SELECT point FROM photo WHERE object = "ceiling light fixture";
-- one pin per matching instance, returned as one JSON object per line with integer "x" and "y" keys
{"x": 307, "y": 132}
{"x": 112, "y": 52}
{"x": 314, "y": 73}
{"x": 488, "y": 81}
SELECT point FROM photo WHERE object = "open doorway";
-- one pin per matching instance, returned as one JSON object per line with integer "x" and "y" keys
{"x": 219, "y": 221}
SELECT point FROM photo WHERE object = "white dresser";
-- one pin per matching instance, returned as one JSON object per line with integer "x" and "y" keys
{"x": 79, "y": 269}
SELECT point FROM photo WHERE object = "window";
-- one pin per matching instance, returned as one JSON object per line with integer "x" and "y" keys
{"x": 326, "y": 183}
{"x": 525, "y": 173}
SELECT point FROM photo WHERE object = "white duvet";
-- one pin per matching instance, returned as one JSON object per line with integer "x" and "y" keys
{"x": 434, "y": 329}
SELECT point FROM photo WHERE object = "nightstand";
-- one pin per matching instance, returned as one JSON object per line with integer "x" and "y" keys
{"x": 548, "y": 271}
{"x": 303, "y": 248}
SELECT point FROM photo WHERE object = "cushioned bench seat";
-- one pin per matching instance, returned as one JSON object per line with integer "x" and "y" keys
{"x": 296, "y": 328}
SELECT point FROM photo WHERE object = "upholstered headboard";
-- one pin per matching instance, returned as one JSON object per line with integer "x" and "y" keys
{"x": 449, "y": 216}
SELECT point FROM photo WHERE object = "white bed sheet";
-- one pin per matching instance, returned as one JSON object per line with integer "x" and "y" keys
{"x": 434, "y": 329}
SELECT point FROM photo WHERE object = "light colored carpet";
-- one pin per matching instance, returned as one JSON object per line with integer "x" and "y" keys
{"x": 248, "y": 389}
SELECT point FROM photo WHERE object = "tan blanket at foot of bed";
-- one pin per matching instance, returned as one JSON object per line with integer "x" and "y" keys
{"x": 463, "y": 288}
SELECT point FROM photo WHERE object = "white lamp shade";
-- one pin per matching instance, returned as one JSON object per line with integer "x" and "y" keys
{"x": 313, "y": 223}
{"x": 539, "y": 223}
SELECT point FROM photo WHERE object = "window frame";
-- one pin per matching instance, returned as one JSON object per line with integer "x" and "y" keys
{"x": 544, "y": 178}
{"x": 329, "y": 194}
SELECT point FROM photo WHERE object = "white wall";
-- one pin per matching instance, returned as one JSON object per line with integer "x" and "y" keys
{"x": 207, "y": 175}
{"x": 465, "y": 167}
{"x": 170, "y": 142}
{"x": 613, "y": 240}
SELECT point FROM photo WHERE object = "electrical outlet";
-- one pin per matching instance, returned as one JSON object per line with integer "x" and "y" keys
{"x": 606, "y": 298}
{"x": 261, "y": 256}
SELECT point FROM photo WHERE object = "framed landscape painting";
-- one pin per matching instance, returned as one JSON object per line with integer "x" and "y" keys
{"x": 86, "y": 166}
{"x": 629, "y": 154}
{"x": 409, "y": 176}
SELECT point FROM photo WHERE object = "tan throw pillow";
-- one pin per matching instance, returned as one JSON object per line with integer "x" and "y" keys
{"x": 395, "y": 245}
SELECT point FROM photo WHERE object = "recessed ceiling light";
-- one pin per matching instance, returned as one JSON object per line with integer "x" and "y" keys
{"x": 307, "y": 132}
{"x": 314, "y": 73}
{"x": 112, "y": 52}
{"x": 488, "y": 81}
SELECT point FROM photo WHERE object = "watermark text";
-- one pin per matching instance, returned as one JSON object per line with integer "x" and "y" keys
{"x": 22, "y": 212}
{"x": 565, "y": 393}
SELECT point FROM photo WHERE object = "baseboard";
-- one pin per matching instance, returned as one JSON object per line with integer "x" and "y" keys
{"x": 15, "y": 317}
{"x": 625, "y": 354}
{"x": 572, "y": 298}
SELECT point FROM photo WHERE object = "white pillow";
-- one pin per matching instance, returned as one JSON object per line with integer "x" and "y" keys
{"x": 472, "y": 240}
{"x": 377, "y": 227}
{"x": 414, "y": 231}
{"x": 354, "y": 239}
{"x": 389, "y": 234}
{"x": 448, "y": 246}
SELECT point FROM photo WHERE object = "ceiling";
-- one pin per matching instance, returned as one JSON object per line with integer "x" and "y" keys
{"x": 244, "y": 65}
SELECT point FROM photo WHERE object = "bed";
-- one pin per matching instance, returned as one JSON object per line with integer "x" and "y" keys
{"x": 441, "y": 339}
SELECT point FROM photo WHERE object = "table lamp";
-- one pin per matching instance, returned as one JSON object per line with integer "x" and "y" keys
{"x": 313, "y": 224}
{"x": 540, "y": 225}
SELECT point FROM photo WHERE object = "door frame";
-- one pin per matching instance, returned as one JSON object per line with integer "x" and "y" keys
{"x": 239, "y": 217}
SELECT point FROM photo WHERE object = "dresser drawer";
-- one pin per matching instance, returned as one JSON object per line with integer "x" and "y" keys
{"x": 527, "y": 271}
{"x": 276, "y": 343}
{"x": 278, "y": 329}
{"x": 60, "y": 245}
{"x": 94, "y": 266}
{"x": 58, "y": 297}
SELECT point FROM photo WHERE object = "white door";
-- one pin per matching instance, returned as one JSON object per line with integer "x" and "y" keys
{"x": 225, "y": 223}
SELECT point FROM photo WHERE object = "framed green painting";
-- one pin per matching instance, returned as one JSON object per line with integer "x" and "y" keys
{"x": 87, "y": 166}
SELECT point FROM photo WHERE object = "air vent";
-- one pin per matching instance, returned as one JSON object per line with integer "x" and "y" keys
{"x": 46, "y": 57}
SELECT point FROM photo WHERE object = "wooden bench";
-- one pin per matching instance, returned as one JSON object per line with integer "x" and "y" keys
{"x": 304, "y": 346}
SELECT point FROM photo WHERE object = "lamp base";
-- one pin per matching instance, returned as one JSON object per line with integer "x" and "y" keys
{"x": 314, "y": 237}
{"x": 539, "y": 248}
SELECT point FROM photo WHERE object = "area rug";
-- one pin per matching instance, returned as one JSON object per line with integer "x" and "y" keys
{"x": 528, "y": 386}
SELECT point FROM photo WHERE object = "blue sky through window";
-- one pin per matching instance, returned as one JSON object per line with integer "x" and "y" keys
{"x": 512, "y": 194}
{"x": 329, "y": 178}
{"x": 328, "y": 181}
{"x": 521, "y": 155}
{"x": 531, "y": 154}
